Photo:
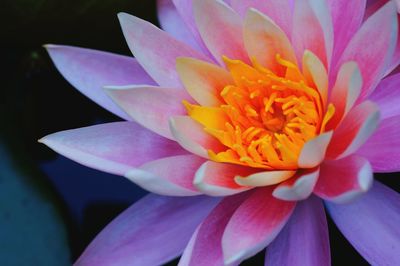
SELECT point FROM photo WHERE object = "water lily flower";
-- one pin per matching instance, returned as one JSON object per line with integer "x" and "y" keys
{"x": 244, "y": 118}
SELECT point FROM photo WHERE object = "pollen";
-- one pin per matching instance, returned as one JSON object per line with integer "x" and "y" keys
{"x": 265, "y": 118}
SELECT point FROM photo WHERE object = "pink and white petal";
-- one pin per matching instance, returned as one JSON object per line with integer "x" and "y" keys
{"x": 172, "y": 23}
{"x": 382, "y": 148}
{"x": 313, "y": 30}
{"x": 218, "y": 179}
{"x": 220, "y": 28}
{"x": 192, "y": 137}
{"x": 299, "y": 187}
{"x": 307, "y": 228}
{"x": 205, "y": 245}
{"x": 202, "y": 80}
{"x": 266, "y": 178}
{"x": 395, "y": 61}
{"x": 114, "y": 147}
{"x": 143, "y": 234}
{"x": 144, "y": 40}
{"x": 345, "y": 92}
{"x": 370, "y": 223}
{"x": 264, "y": 39}
{"x": 354, "y": 130}
{"x": 170, "y": 176}
{"x": 150, "y": 106}
{"x": 373, "y": 57}
{"x": 316, "y": 73}
{"x": 341, "y": 181}
{"x": 313, "y": 151}
{"x": 279, "y": 11}
{"x": 254, "y": 225}
{"x": 347, "y": 17}
{"x": 90, "y": 70}
{"x": 387, "y": 96}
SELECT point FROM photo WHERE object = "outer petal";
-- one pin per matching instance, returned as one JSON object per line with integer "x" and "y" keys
{"x": 218, "y": 179}
{"x": 150, "y": 106}
{"x": 170, "y": 176}
{"x": 205, "y": 245}
{"x": 371, "y": 224}
{"x": 312, "y": 29}
{"x": 114, "y": 147}
{"x": 143, "y": 235}
{"x": 382, "y": 149}
{"x": 264, "y": 40}
{"x": 254, "y": 225}
{"x": 90, "y": 70}
{"x": 373, "y": 57}
{"x": 299, "y": 187}
{"x": 304, "y": 240}
{"x": 342, "y": 180}
{"x": 144, "y": 41}
{"x": 387, "y": 96}
{"x": 279, "y": 11}
{"x": 354, "y": 130}
{"x": 221, "y": 29}
{"x": 313, "y": 152}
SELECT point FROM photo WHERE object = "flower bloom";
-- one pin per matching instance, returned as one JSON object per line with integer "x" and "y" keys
{"x": 249, "y": 114}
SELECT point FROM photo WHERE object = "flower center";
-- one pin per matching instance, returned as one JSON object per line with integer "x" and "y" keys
{"x": 265, "y": 118}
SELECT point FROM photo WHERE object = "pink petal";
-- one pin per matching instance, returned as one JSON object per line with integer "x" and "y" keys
{"x": 382, "y": 148}
{"x": 220, "y": 28}
{"x": 266, "y": 178}
{"x": 143, "y": 234}
{"x": 278, "y": 10}
{"x": 144, "y": 41}
{"x": 387, "y": 96}
{"x": 172, "y": 23}
{"x": 299, "y": 187}
{"x": 202, "y": 80}
{"x": 347, "y": 17}
{"x": 342, "y": 180}
{"x": 218, "y": 179}
{"x": 316, "y": 73}
{"x": 354, "y": 130}
{"x": 371, "y": 224}
{"x": 170, "y": 176}
{"x": 312, "y": 29}
{"x": 114, "y": 147}
{"x": 373, "y": 56}
{"x": 395, "y": 61}
{"x": 313, "y": 151}
{"x": 150, "y": 106}
{"x": 205, "y": 245}
{"x": 264, "y": 40}
{"x": 305, "y": 238}
{"x": 90, "y": 70}
{"x": 254, "y": 225}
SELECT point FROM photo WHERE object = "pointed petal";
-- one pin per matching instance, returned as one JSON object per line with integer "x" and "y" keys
{"x": 307, "y": 228}
{"x": 150, "y": 106}
{"x": 373, "y": 57}
{"x": 343, "y": 180}
{"x": 354, "y": 130}
{"x": 202, "y": 80}
{"x": 316, "y": 72}
{"x": 313, "y": 152}
{"x": 144, "y": 40}
{"x": 371, "y": 224}
{"x": 205, "y": 245}
{"x": 387, "y": 96}
{"x": 170, "y": 176}
{"x": 382, "y": 148}
{"x": 218, "y": 179}
{"x": 254, "y": 225}
{"x": 312, "y": 29}
{"x": 264, "y": 40}
{"x": 221, "y": 29}
{"x": 89, "y": 70}
{"x": 143, "y": 234}
{"x": 114, "y": 147}
{"x": 299, "y": 187}
{"x": 266, "y": 178}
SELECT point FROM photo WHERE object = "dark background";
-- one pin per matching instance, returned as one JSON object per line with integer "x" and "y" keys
{"x": 35, "y": 101}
